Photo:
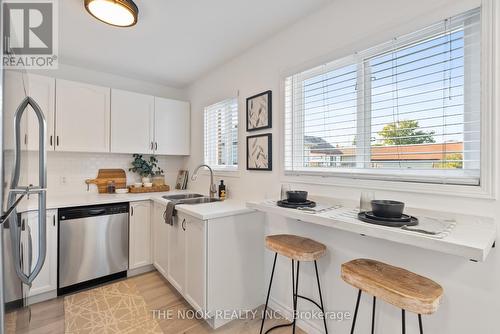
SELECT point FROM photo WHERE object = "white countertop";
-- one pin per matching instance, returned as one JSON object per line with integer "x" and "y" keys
{"x": 201, "y": 211}
{"x": 472, "y": 237}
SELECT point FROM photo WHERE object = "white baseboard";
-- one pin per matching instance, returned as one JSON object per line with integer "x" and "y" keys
{"x": 285, "y": 311}
{"x": 42, "y": 297}
{"x": 140, "y": 270}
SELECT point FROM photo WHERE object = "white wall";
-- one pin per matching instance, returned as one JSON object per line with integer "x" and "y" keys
{"x": 75, "y": 168}
{"x": 472, "y": 290}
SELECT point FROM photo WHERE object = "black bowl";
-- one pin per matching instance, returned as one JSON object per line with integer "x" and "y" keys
{"x": 296, "y": 196}
{"x": 387, "y": 209}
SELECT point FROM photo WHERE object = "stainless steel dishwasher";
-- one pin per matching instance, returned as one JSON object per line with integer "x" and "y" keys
{"x": 93, "y": 245}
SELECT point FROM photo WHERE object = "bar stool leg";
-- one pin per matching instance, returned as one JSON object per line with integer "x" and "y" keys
{"x": 268, "y": 293}
{"x": 373, "y": 314}
{"x": 403, "y": 321}
{"x": 355, "y": 312}
{"x": 420, "y": 324}
{"x": 295, "y": 296}
{"x": 320, "y": 296}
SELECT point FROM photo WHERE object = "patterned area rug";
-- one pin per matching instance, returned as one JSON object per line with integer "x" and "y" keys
{"x": 114, "y": 308}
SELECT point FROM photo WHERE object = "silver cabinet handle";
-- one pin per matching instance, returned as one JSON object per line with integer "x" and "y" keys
{"x": 54, "y": 220}
{"x": 15, "y": 190}
{"x": 156, "y": 146}
{"x": 57, "y": 140}
{"x": 183, "y": 225}
{"x": 152, "y": 145}
{"x": 50, "y": 141}
{"x": 131, "y": 210}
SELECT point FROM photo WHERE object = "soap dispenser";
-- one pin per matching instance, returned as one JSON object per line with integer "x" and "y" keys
{"x": 222, "y": 190}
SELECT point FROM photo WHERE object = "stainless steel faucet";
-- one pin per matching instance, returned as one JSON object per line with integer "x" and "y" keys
{"x": 212, "y": 189}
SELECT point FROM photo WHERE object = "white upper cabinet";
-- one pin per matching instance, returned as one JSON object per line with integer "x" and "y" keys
{"x": 16, "y": 89}
{"x": 87, "y": 118}
{"x": 132, "y": 116}
{"x": 43, "y": 90}
{"x": 172, "y": 127}
{"x": 83, "y": 117}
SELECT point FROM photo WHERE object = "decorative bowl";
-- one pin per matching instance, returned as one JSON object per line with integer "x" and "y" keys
{"x": 296, "y": 196}
{"x": 387, "y": 208}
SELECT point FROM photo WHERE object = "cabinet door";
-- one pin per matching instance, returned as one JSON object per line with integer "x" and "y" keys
{"x": 139, "y": 234}
{"x": 131, "y": 122}
{"x": 47, "y": 278}
{"x": 195, "y": 263}
{"x": 176, "y": 252}
{"x": 160, "y": 239}
{"x": 43, "y": 90}
{"x": 16, "y": 89}
{"x": 83, "y": 116}
{"x": 172, "y": 127}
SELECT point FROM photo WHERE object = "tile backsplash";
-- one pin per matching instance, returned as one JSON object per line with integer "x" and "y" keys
{"x": 67, "y": 171}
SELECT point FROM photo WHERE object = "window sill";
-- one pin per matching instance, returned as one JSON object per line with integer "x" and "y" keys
{"x": 466, "y": 191}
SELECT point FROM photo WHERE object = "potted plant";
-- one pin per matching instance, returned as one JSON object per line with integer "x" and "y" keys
{"x": 158, "y": 178}
{"x": 145, "y": 168}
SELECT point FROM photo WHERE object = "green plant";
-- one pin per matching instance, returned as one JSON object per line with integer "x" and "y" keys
{"x": 405, "y": 132}
{"x": 145, "y": 167}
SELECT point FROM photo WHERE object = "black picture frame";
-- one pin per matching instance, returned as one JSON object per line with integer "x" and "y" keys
{"x": 269, "y": 96}
{"x": 269, "y": 167}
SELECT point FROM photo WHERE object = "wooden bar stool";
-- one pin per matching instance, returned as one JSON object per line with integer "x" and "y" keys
{"x": 297, "y": 249}
{"x": 396, "y": 286}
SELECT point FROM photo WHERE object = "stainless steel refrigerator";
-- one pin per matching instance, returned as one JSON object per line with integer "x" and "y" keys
{"x": 23, "y": 178}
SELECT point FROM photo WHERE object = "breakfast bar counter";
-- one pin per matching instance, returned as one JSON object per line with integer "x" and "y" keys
{"x": 471, "y": 237}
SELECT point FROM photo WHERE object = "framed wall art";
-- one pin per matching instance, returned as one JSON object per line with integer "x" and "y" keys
{"x": 259, "y": 111}
{"x": 259, "y": 152}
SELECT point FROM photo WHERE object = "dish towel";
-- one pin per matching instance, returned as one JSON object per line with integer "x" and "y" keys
{"x": 169, "y": 212}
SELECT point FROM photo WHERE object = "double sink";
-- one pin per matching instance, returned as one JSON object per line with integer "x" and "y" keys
{"x": 190, "y": 199}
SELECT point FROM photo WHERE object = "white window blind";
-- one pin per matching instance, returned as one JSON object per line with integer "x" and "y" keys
{"x": 406, "y": 110}
{"x": 221, "y": 134}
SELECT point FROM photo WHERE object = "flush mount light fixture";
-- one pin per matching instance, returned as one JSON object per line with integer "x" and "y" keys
{"x": 119, "y": 13}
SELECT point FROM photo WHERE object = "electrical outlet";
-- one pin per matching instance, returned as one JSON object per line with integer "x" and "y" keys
{"x": 63, "y": 180}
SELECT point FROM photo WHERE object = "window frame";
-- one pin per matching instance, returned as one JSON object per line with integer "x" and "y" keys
{"x": 222, "y": 169}
{"x": 380, "y": 178}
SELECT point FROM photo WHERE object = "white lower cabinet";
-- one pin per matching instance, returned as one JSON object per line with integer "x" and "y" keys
{"x": 176, "y": 268}
{"x": 186, "y": 268}
{"x": 194, "y": 290}
{"x": 213, "y": 263}
{"x": 139, "y": 234}
{"x": 159, "y": 235}
{"x": 46, "y": 281}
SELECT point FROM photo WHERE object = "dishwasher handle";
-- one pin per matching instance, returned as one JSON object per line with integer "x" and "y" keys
{"x": 96, "y": 212}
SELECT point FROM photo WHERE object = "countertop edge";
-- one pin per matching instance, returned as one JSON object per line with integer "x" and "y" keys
{"x": 475, "y": 249}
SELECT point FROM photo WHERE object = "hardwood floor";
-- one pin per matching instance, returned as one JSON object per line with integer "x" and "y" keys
{"x": 48, "y": 317}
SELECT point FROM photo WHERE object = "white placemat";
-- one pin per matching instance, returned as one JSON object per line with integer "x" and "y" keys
{"x": 427, "y": 226}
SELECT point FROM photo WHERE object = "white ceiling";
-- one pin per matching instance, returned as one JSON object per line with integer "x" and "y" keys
{"x": 175, "y": 41}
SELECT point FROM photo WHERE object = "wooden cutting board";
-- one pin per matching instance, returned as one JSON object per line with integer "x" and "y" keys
{"x": 106, "y": 175}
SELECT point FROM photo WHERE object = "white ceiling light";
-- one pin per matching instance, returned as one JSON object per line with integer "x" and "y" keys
{"x": 120, "y": 13}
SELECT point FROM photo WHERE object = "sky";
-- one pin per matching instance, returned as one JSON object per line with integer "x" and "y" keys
{"x": 423, "y": 82}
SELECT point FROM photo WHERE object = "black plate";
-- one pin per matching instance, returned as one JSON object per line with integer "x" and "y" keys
{"x": 362, "y": 216}
{"x": 403, "y": 218}
{"x": 294, "y": 205}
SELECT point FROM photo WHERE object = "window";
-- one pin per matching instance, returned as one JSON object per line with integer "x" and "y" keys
{"x": 221, "y": 135}
{"x": 407, "y": 110}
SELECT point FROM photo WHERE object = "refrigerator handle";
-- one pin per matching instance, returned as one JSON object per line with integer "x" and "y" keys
{"x": 15, "y": 189}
